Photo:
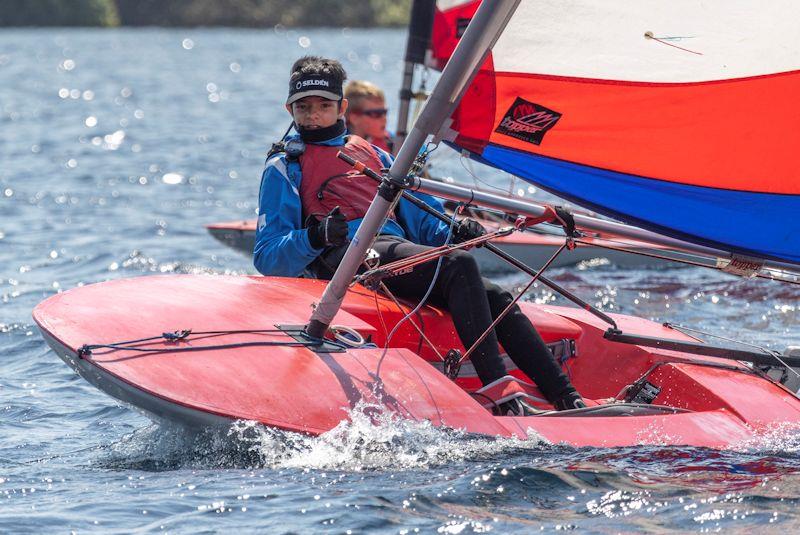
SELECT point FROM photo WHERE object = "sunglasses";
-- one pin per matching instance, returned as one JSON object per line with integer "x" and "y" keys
{"x": 375, "y": 113}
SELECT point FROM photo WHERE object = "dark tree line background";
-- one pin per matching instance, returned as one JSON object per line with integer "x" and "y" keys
{"x": 250, "y": 13}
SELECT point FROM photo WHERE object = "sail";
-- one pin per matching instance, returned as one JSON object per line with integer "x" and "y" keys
{"x": 450, "y": 19}
{"x": 681, "y": 117}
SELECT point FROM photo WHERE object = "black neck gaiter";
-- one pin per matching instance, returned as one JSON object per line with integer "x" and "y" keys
{"x": 317, "y": 135}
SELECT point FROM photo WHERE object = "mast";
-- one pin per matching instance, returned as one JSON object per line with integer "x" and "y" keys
{"x": 481, "y": 34}
{"x": 419, "y": 36}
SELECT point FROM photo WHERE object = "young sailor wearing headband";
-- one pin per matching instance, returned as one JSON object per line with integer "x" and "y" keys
{"x": 311, "y": 203}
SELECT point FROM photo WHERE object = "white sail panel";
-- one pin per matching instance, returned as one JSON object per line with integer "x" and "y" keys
{"x": 605, "y": 39}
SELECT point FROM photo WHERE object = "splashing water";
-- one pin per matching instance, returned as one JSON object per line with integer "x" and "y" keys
{"x": 370, "y": 440}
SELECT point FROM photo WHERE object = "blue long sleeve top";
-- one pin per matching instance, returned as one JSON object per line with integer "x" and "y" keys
{"x": 282, "y": 247}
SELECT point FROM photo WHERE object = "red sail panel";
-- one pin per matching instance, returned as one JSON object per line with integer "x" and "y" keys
{"x": 713, "y": 134}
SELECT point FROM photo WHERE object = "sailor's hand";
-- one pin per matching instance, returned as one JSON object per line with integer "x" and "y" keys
{"x": 468, "y": 229}
{"x": 330, "y": 231}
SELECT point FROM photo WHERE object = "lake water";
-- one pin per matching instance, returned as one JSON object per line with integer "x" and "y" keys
{"x": 117, "y": 146}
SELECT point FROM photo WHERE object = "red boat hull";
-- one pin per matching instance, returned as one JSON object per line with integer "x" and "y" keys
{"x": 702, "y": 401}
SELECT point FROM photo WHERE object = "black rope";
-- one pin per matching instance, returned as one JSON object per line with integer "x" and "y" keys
{"x": 86, "y": 350}
{"x": 182, "y": 335}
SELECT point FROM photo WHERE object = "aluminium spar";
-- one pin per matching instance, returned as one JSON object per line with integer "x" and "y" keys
{"x": 481, "y": 34}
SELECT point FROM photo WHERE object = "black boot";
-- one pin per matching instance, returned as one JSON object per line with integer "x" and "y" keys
{"x": 569, "y": 400}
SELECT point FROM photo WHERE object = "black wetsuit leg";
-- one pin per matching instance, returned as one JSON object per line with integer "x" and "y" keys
{"x": 459, "y": 288}
{"x": 525, "y": 346}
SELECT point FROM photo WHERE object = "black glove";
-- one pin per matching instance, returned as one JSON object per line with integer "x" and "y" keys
{"x": 468, "y": 229}
{"x": 331, "y": 230}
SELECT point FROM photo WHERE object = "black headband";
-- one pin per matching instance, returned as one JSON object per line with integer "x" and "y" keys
{"x": 320, "y": 85}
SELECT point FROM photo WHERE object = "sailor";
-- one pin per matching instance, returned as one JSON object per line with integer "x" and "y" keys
{"x": 311, "y": 203}
{"x": 366, "y": 113}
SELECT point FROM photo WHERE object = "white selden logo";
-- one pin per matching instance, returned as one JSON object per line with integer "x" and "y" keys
{"x": 306, "y": 83}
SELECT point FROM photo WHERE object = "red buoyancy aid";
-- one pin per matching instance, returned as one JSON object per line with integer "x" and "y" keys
{"x": 329, "y": 182}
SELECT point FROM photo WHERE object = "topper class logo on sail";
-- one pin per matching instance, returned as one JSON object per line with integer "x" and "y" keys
{"x": 527, "y": 121}
{"x": 306, "y": 83}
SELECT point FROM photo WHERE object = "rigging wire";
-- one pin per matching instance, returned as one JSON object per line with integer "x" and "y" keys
{"x": 464, "y": 160}
{"x": 380, "y": 314}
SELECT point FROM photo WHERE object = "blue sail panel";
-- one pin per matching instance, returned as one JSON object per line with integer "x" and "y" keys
{"x": 756, "y": 224}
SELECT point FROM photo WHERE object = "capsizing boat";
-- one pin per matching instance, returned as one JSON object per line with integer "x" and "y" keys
{"x": 299, "y": 354}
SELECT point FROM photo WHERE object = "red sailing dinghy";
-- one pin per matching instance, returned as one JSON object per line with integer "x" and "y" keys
{"x": 700, "y": 400}
{"x": 245, "y": 348}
